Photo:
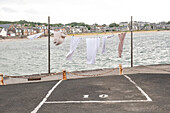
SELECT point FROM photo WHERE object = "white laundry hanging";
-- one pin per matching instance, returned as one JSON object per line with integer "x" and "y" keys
{"x": 92, "y": 46}
{"x": 58, "y": 38}
{"x": 92, "y": 49}
{"x": 73, "y": 45}
{"x": 35, "y": 36}
{"x": 109, "y": 36}
{"x": 104, "y": 42}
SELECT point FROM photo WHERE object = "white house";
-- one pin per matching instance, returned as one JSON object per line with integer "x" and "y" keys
{"x": 123, "y": 24}
{"x": 3, "y": 32}
{"x": 10, "y": 33}
{"x": 167, "y": 26}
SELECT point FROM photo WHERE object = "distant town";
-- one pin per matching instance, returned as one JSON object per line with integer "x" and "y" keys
{"x": 22, "y": 28}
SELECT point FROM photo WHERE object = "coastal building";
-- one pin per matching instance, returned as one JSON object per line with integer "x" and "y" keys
{"x": 11, "y": 34}
{"x": 19, "y": 32}
{"x": 123, "y": 28}
{"x": 148, "y": 27}
{"x": 162, "y": 23}
{"x": 10, "y": 28}
{"x": 3, "y": 32}
{"x": 93, "y": 28}
{"x": 28, "y": 31}
{"x": 61, "y": 29}
{"x": 123, "y": 24}
{"x": 68, "y": 30}
{"x": 76, "y": 29}
{"x": 167, "y": 27}
{"x": 153, "y": 26}
{"x": 7, "y": 26}
{"x": 22, "y": 30}
{"x": 140, "y": 25}
{"x": 99, "y": 28}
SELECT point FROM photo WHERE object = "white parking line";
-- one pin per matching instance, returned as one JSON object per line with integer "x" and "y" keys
{"x": 140, "y": 89}
{"x": 85, "y": 102}
{"x": 46, "y": 97}
{"x": 148, "y": 99}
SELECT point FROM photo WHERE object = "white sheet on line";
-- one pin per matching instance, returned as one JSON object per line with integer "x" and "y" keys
{"x": 92, "y": 49}
{"x": 35, "y": 36}
{"x": 73, "y": 45}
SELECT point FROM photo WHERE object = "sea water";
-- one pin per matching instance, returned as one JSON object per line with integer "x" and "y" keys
{"x": 26, "y": 57}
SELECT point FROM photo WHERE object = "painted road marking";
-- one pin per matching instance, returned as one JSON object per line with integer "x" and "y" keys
{"x": 74, "y": 102}
{"x": 103, "y": 96}
{"x": 140, "y": 89}
{"x": 46, "y": 97}
{"x": 85, "y": 96}
{"x": 114, "y": 101}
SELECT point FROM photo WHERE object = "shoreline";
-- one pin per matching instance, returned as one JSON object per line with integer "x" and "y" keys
{"x": 114, "y": 32}
{"x": 85, "y": 34}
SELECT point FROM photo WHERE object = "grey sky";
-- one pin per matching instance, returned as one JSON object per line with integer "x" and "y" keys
{"x": 88, "y": 11}
{"x": 8, "y": 10}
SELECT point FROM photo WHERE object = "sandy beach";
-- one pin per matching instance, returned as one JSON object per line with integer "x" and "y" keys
{"x": 85, "y": 34}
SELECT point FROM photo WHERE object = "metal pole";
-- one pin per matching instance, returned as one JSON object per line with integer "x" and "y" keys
{"x": 49, "y": 44}
{"x": 131, "y": 42}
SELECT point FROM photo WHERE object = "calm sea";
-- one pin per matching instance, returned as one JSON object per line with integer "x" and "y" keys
{"x": 25, "y": 57}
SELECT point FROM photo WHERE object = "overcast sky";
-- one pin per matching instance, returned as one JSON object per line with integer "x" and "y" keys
{"x": 88, "y": 11}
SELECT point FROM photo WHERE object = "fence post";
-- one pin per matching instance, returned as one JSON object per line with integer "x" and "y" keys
{"x": 120, "y": 69}
{"x": 64, "y": 75}
{"x": 48, "y": 44}
{"x": 2, "y": 79}
{"x": 131, "y": 41}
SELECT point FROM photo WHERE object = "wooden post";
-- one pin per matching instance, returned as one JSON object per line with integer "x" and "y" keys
{"x": 49, "y": 44}
{"x": 120, "y": 69}
{"x": 2, "y": 79}
{"x": 44, "y": 31}
{"x": 64, "y": 75}
{"x": 131, "y": 42}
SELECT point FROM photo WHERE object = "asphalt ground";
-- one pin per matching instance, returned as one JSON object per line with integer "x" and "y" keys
{"x": 138, "y": 93}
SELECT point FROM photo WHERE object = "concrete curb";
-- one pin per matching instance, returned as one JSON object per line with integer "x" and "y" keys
{"x": 160, "y": 68}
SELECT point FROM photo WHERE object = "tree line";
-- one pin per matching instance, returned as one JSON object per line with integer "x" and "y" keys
{"x": 72, "y": 24}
